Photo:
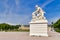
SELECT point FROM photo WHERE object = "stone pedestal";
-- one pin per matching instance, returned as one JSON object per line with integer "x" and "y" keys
{"x": 38, "y": 28}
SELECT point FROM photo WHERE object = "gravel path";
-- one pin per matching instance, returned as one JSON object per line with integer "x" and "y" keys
{"x": 25, "y": 36}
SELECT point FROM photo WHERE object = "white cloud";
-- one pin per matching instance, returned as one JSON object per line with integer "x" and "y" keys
{"x": 17, "y": 2}
{"x": 53, "y": 19}
{"x": 14, "y": 19}
{"x": 46, "y": 3}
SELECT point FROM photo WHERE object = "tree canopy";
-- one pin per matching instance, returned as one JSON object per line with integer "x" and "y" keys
{"x": 56, "y": 25}
{"x": 5, "y": 26}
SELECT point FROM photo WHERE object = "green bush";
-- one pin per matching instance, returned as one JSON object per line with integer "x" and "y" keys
{"x": 57, "y": 31}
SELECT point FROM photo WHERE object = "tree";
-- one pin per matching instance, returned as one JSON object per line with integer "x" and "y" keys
{"x": 6, "y": 27}
{"x": 57, "y": 25}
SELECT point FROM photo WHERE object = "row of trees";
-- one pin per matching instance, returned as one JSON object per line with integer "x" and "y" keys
{"x": 7, "y": 27}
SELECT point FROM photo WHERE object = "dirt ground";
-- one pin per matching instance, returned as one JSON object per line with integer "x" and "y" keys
{"x": 25, "y": 36}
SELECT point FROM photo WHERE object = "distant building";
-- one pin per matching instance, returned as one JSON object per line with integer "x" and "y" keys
{"x": 24, "y": 27}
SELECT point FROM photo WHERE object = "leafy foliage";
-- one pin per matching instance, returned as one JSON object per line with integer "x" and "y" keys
{"x": 57, "y": 25}
{"x": 6, "y": 27}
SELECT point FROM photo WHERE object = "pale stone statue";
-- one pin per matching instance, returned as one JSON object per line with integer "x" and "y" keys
{"x": 38, "y": 14}
{"x": 38, "y": 24}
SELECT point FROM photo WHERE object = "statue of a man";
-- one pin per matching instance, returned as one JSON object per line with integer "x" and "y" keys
{"x": 38, "y": 14}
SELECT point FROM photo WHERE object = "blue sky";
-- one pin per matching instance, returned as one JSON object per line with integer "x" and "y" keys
{"x": 20, "y": 11}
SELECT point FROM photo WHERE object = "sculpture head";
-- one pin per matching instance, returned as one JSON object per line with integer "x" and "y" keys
{"x": 36, "y": 6}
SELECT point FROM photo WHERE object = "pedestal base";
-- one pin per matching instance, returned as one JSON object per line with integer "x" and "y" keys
{"x": 38, "y": 28}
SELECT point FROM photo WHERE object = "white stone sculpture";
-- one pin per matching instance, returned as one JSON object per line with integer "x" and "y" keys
{"x": 38, "y": 24}
{"x": 38, "y": 14}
